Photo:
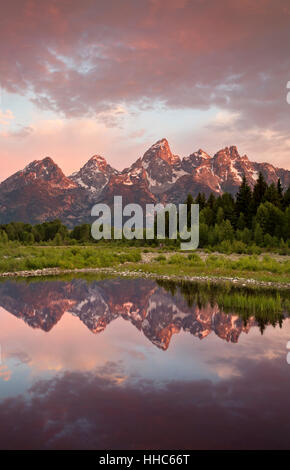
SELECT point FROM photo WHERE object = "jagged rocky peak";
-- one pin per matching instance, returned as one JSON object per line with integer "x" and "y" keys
{"x": 94, "y": 175}
{"x": 195, "y": 159}
{"x": 39, "y": 171}
{"x": 233, "y": 151}
{"x": 228, "y": 153}
{"x": 161, "y": 166}
{"x": 44, "y": 170}
{"x": 202, "y": 154}
{"x": 161, "y": 150}
{"x": 98, "y": 162}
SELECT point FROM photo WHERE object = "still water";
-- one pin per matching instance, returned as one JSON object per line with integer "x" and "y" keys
{"x": 137, "y": 364}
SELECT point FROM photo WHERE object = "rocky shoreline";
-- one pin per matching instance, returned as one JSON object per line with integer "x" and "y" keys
{"x": 211, "y": 279}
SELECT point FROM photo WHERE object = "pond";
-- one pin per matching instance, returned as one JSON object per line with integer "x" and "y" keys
{"x": 141, "y": 364}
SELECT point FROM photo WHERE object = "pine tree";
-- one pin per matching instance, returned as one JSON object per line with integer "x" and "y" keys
{"x": 241, "y": 223}
{"x": 211, "y": 201}
{"x": 280, "y": 193}
{"x": 200, "y": 199}
{"x": 279, "y": 189}
{"x": 286, "y": 198}
{"x": 244, "y": 201}
{"x": 188, "y": 202}
{"x": 272, "y": 195}
{"x": 220, "y": 215}
{"x": 226, "y": 201}
{"x": 259, "y": 192}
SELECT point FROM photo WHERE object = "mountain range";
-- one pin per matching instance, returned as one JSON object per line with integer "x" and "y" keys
{"x": 42, "y": 192}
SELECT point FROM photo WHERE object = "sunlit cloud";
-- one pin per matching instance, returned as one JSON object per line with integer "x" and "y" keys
{"x": 6, "y": 117}
{"x": 121, "y": 68}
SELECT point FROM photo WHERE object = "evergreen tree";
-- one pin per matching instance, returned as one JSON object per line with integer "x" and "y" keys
{"x": 203, "y": 234}
{"x": 272, "y": 195}
{"x": 259, "y": 192}
{"x": 211, "y": 201}
{"x": 220, "y": 215}
{"x": 201, "y": 200}
{"x": 207, "y": 216}
{"x": 188, "y": 202}
{"x": 227, "y": 202}
{"x": 279, "y": 189}
{"x": 258, "y": 235}
{"x": 241, "y": 223}
{"x": 271, "y": 219}
{"x": 228, "y": 231}
{"x": 286, "y": 198}
{"x": 280, "y": 193}
{"x": 286, "y": 225}
{"x": 244, "y": 201}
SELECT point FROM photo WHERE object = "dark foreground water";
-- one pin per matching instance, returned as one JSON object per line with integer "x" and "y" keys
{"x": 133, "y": 364}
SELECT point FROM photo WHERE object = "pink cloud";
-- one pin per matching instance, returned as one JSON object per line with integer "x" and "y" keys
{"x": 85, "y": 59}
{"x": 70, "y": 143}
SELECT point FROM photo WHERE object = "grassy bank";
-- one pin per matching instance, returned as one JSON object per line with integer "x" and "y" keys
{"x": 261, "y": 268}
{"x": 24, "y": 258}
{"x": 264, "y": 268}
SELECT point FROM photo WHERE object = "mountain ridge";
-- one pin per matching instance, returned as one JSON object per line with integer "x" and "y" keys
{"x": 41, "y": 191}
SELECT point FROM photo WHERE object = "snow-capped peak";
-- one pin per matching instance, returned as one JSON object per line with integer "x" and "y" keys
{"x": 98, "y": 161}
{"x": 195, "y": 160}
{"x": 160, "y": 144}
{"x": 160, "y": 150}
{"x": 202, "y": 154}
{"x": 94, "y": 175}
{"x": 44, "y": 164}
{"x": 229, "y": 152}
{"x": 44, "y": 171}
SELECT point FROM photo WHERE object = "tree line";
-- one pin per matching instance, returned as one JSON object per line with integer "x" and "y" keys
{"x": 258, "y": 217}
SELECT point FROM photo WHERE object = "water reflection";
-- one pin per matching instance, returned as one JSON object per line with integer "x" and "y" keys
{"x": 64, "y": 385}
{"x": 158, "y": 310}
{"x": 88, "y": 411}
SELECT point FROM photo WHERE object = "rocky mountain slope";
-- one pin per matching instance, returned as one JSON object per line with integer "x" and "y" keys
{"x": 42, "y": 192}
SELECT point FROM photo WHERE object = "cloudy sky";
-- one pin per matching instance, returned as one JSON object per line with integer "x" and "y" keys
{"x": 110, "y": 77}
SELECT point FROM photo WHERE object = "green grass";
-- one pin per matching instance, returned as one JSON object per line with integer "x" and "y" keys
{"x": 20, "y": 258}
{"x": 267, "y": 306}
{"x": 257, "y": 305}
{"x": 31, "y": 258}
{"x": 265, "y": 269}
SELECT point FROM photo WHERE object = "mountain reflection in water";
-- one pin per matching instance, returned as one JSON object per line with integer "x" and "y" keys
{"x": 158, "y": 310}
{"x": 67, "y": 388}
